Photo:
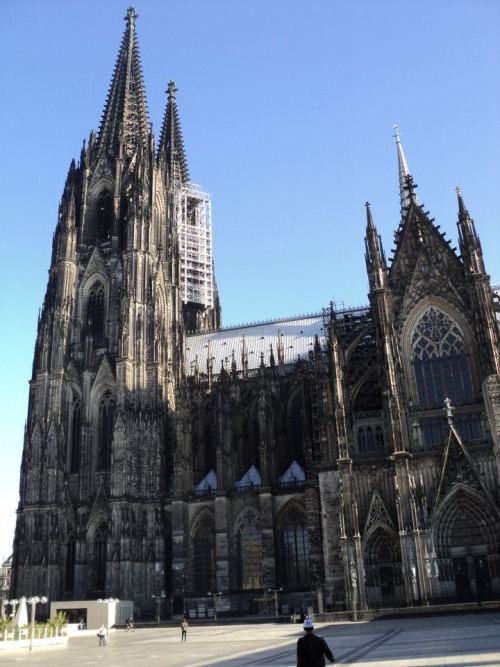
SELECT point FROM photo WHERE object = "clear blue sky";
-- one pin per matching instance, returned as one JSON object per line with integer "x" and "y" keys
{"x": 287, "y": 109}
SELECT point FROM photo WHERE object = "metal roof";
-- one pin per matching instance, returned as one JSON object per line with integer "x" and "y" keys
{"x": 295, "y": 334}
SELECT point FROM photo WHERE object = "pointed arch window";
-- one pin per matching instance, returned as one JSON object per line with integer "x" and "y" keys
{"x": 95, "y": 312}
{"x": 440, "y": 360}
{"x": 204, "y": 557}
{"x": 249, "y": 546}
{"x": 295, "y": 431}
{"x": 76, "y": 435}
{"x": 105, "y": 430}
{"x": 69, "y": 580}
{"x": 104, "y": 217}
{"x": 100, "y": 544}
{"x": 294, "y": 550}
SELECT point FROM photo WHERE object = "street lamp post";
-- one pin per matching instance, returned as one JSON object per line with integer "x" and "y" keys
{"x": 158, "y": 599}
{"x": 215, "y": 596}
{"x": 13, "y": 604}
{"x": 33, "y": 601}
{"x": 276, "y": 602}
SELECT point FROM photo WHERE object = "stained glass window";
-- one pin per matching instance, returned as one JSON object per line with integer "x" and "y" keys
{"x": 294, "y": 561}
{"x": 370, "y": 439}
{"x": 440, "y": 360}
{"x": 250, "y": 553}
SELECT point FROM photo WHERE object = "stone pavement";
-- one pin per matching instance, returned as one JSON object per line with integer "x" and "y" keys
{"x": 471, "y": 640}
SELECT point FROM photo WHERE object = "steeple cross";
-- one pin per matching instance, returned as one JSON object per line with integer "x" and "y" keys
{"x": 131, "y": 15}
{"x": 171, "y": 90}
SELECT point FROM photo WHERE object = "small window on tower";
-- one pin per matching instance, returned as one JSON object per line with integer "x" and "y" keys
{"x": 95, "y": 312}
{"x": 104, "y": 216}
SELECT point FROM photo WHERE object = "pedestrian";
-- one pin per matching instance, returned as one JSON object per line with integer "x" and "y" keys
{"x": 292, "y": 614}
{"x": 311, "y": 649}
{"x": 184, "y": 627}
{"x": 101, "y": 633}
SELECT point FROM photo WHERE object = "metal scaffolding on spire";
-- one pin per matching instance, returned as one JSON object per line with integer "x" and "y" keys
{"x": 194, "y": 230}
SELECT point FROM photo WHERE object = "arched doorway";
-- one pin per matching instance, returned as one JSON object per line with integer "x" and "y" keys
{"x": 466, "y": 540}
{"x": 382, "y": 560}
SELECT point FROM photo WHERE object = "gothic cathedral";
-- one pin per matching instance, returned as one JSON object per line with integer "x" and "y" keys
{"x": 349, "y": 459}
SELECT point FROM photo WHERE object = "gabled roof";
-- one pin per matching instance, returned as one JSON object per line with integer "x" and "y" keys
{"x": 209, "y": 482}
{"x": 230, "y": 347}
{"x": 250, "y": 478}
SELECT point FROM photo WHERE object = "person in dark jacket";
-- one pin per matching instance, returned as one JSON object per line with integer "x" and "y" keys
{"x": 311, "y": 649}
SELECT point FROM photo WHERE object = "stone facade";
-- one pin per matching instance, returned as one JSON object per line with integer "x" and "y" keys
{"x": 312, "y": 456}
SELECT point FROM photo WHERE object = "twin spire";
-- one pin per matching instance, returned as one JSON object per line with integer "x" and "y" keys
{"x": 171, "y": 148}
{"x": 125, "y": 123}
{"x": 125, "y": 120}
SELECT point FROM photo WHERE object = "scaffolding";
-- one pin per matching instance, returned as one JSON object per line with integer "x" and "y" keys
{"x": 194, "y": 229}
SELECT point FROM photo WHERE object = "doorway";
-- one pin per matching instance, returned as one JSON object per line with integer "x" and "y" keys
{"x": 462, "y": 580}
{"x": 483, "y": 577}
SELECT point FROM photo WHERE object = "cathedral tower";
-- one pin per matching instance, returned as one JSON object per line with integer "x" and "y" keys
{"x": 97, "y": 453}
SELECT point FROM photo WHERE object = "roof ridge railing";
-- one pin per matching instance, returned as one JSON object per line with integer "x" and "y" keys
{"x": 274, "y": 320}
{"x": 244, "y": 325}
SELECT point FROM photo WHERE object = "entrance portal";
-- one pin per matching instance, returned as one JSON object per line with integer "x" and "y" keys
{"x": 465, "y": 536}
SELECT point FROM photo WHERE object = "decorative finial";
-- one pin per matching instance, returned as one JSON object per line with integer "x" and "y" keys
{"x": 131, "y": 15}
{"x": 396, "y": 134}
{"x": 458, "y": 190}
{"x": 449, "y": 411}
{"x": 171, "y": 90}
{"x": 367, "y": 204}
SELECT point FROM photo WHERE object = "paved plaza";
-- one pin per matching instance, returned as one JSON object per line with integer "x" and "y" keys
{"x": 470, "y": 640}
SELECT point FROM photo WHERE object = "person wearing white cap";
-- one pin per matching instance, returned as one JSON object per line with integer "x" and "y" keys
{"x": 311, "y": 649}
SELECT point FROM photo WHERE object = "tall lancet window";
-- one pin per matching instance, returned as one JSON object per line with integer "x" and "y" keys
{"x": 204, "y": 556}
{"x": 76, "y": 430}
{"x": 105, "y": 430}
{"x": 249, "y": 547}
{"x": 69, "y": 580}
{"x": 104, "y": 217}
{"x": 294, "y": 549}
{"x": 440, "y": 360}
{"x": 95, "y": 312}
{"x": 100, "y": 542}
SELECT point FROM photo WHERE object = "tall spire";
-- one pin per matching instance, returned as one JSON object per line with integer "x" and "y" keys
{"x": 171, "y": 148}
{"x": 374, "y": 253}
{"x": 470, "y": 245}
{"x": 403, "y": 172}
{"x": 125, "y": 118}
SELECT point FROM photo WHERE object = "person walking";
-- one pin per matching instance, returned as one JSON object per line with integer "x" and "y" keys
{"x": 312, "y": 649}
{"x": 101, "y": 633}
{"x": 184, "y": 627}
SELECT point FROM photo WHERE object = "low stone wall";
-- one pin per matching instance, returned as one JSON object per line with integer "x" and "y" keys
{"x": 11, "y": 645}
{"x": 370, "y": 614}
